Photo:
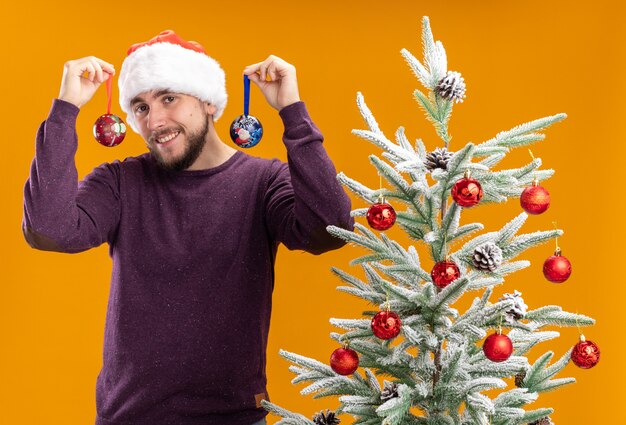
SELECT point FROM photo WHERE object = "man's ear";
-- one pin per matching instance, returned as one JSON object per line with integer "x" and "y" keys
{"x": 210, "y": 108}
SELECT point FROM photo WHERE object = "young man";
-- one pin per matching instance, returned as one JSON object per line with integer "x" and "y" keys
{"x": 193, "y": 228}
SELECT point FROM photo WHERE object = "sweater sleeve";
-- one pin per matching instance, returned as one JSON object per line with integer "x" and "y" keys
{"x": 304, "y": 195}
{"x": 60, "y": 213}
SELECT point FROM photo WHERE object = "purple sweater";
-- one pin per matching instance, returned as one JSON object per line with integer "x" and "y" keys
{"x": 193, "y": 264}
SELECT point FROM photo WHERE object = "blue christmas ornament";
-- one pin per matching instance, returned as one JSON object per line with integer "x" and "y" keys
{"x": 246, "y": 131}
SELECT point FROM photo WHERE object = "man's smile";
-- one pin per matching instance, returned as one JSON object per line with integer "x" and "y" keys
{"x": 166, "y": 139}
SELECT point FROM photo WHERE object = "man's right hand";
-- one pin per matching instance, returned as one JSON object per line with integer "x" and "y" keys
{"x": 82, "y": 77}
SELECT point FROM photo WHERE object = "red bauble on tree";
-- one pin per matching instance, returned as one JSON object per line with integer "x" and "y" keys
{"x": 535, "y": 199}
{"x": 381, "y": 215}
{"x": 344, "y": 361}
{"x": 109, "y": 130}
{"x": 386, "y": 324}
{"x": 467, "y": 192}
{"x": 444, "y": 273}
{"x": 498, "y": 347}
{"x": 557, "y": 268}
{"x": 585, "y": 354}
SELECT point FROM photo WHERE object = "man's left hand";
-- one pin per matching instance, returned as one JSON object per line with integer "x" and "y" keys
{"x": 282, "y": 87}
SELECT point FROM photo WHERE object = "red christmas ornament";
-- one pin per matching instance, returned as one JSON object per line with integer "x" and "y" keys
{"x": 535, "y": 199}
{"x": 109, "y": 130}
{"x": 585, "y": 354}
{"x": 344, "y": 361}
{"x": 444, "y": 273}
{"x": 386, "y": 324}
{"x": 381, "y": 216}
{"x": 498, "y": 347}
{"x": 467, "y": 192}
{"x": 557, "y": 268}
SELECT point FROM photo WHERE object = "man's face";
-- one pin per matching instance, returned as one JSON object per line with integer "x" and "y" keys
{"x": 173, "y": 125}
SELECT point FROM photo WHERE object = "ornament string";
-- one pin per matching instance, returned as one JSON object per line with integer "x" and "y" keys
{"x": 556, "y": 238}
{"x": 580, "y": 331}
{"x": 246, "y": 95}
{"x": 535, "y": 181}
{"x": 109, "y": 91}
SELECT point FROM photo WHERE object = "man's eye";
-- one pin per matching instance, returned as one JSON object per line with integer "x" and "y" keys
{"x": 139, "y": 109}
{"x": 169, "y": 99}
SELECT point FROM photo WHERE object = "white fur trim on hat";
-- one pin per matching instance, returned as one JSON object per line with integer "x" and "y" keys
{"x": 173, "y": 67}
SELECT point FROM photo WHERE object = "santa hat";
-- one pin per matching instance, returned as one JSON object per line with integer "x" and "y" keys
{"x": 169, "y": 62}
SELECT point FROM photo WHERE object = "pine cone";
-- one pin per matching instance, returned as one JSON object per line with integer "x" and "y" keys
{"x": 390, "y": 391}
{"x": 542, "y": 421}
{"x": 519, "y": 379}
{"x": 325, "y": 418}
{"x": 519, "y": 308}
{"x": 451, "y": 87}
{"x": 438, "y": 159}
{"x": 487, "y": 256}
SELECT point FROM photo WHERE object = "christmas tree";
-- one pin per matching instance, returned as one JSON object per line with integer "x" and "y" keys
{"x": 439, "y": 365}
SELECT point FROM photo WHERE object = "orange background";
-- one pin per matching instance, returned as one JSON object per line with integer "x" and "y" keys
{"x": 520, "y": 60}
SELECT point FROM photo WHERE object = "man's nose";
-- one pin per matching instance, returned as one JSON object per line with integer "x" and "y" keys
{"x": 156, "y": 118}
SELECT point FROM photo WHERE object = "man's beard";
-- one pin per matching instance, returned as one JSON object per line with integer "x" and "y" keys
{"x": 193, "y": 148}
